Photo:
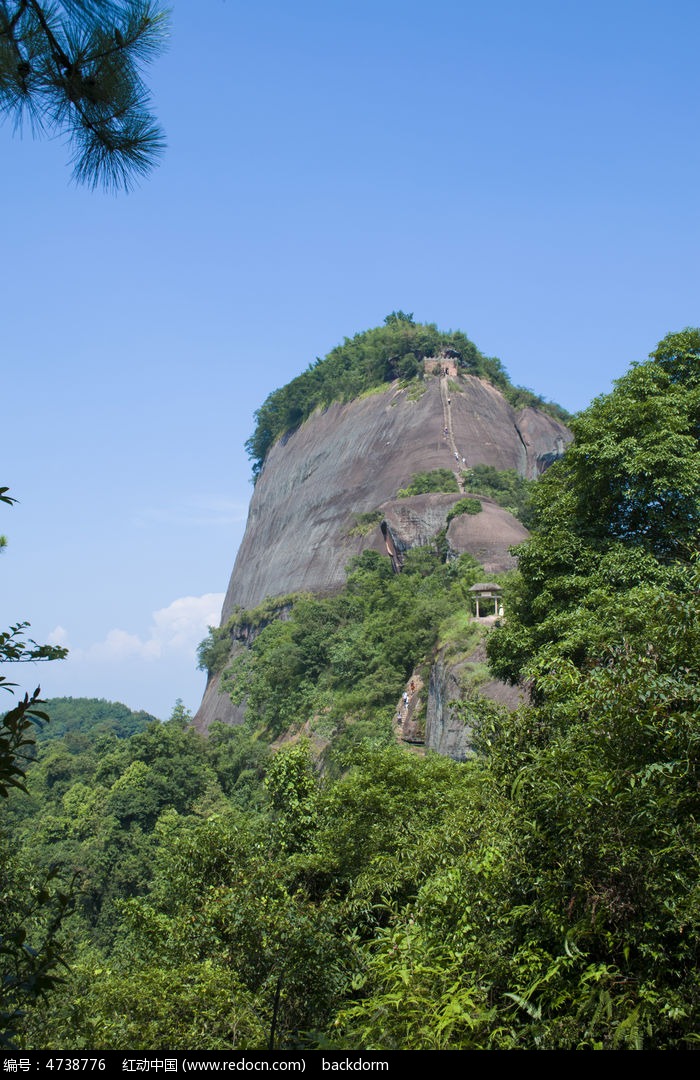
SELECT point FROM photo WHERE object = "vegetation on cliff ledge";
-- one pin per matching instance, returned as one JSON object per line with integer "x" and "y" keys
{"x": 337, "y": 665}
{"x": 505, "y": 486}
{"x": 395, "y": 350}
{"x": 423, "y": 482}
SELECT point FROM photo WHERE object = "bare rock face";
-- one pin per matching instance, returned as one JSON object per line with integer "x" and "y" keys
{"x": 488, "y": 536}
{"x": 217, "y": 707}
{"x": 448, "y": 727}
{"x": 445, "y": 730}
{"x": 352, "y": 459}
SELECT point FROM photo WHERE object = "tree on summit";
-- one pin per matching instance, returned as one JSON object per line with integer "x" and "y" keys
{"x": 73, "y": 68}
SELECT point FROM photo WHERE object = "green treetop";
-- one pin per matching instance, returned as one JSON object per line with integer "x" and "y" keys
{"x": 620, "y": 511}
{"x": 395, "y": 350}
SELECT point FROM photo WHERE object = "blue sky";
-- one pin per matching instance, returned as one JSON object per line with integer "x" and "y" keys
{"x": 525, "y": 172}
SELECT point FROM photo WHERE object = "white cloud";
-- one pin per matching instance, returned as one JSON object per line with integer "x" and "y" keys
{"x": 144, "y": 670}
{"x": 183, "y": 624}
{"x": 175, "y": 629}
{"x": 119, "y": 645}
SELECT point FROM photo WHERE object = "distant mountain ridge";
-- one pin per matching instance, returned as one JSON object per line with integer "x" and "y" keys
{"x": 91, "y": 716}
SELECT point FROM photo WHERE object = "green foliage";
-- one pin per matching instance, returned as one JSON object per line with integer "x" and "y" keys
{"x": 365, "y": 523}
{"x": 91, "y": 716}
{"x": 96, "y": 802}
{"x": 436, "y": 480}
{"x": 214, "y": 651}
{"x": 15, "y": 648}
{"x": 620, "y": 511}
{"x": 679, "y": 356}
{"x": 345, "y": 658}
{"x": 504, "y": 486}
{"x": 222, "y": 899}
{"x": 368, "y": 822}
{"x": 604, "y": 773}
{"x": 150, "y": 1007}
{"x": 603, "y": 619}
{"x": 72, "y": 68}
{"x": 371, "y": 359}
{"x": 566, "y": 915}
{"x": 459, "y": 633}
{"x": 291, "y": 783}
{"x": 558, "y": 906}
{"x": 240, "y": 762}
{"x": 464, "y": 506}
{"x": 543, "y": 895}
{"x": 17, "y": 740}
{"x": 31, "y": 908}
{"x": 181, "y": 716}
{"x": 33, "y": 911}
{"x": 637, "y": 457}
{"x": 262, "y": 926}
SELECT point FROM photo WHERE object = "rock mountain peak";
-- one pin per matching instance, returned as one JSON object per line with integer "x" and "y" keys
{"x": 346, "y": 463}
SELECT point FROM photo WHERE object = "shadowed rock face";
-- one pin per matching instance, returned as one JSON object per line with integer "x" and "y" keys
{"x": 352, "y": 459}
{"x": 448, "y": 729}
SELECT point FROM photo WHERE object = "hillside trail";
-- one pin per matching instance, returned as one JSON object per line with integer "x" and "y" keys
{"x": 406, "y": 716}
{"x": 447, "y": 426}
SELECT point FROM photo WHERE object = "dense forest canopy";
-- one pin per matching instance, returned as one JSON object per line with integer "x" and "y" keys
{"x": 620, "y": 512}
{"x": 229, "y": 893}
{"x": 395, "y": 350}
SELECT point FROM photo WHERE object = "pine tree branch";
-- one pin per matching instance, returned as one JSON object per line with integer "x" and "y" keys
{"x": 79, "y": 75}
